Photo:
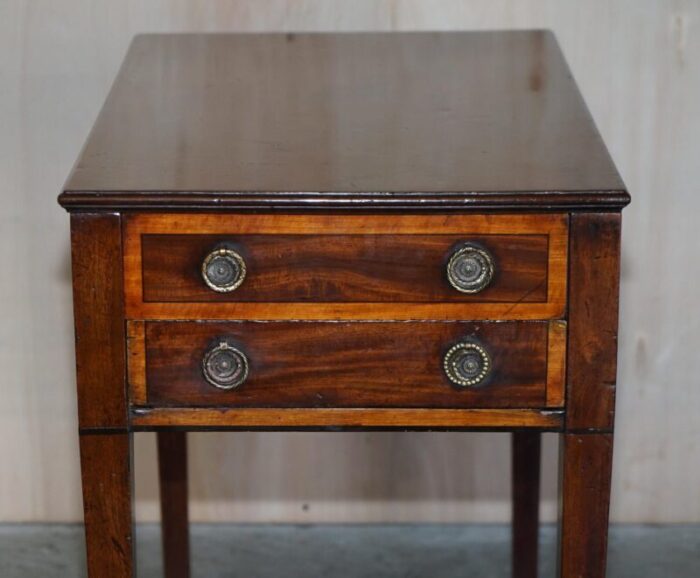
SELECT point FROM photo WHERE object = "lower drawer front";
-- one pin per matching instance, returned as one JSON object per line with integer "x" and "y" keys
{"x": 341, "y": 364}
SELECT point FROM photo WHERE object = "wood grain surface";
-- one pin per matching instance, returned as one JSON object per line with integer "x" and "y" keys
{"x": 99, "y": 327}
{"x": 526, "y": 456}
{"x": 145, "y": 419}
{"x": 593, "y": 321}
{"x": 174, "y": 511}
{"x": 343, "y": 268}
{"x": 345, "y": 121}
{"x": 358, "y": 268}
{"x": 136, "y": 361}
{"x": 107, "y": 482}
{"x": 556, "y": 364}
{"x": 297, "y": 364}
{"x": 586, "y": 469}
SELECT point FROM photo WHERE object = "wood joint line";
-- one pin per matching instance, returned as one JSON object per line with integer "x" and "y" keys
{"x": 83, "y": 431}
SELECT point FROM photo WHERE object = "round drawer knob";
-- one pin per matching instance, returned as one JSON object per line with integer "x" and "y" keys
{"x": 225, "y": 366}
{"x": 467, "y": 364}
{"x": 470, "y": 268}
{"x": 223, "y": 270}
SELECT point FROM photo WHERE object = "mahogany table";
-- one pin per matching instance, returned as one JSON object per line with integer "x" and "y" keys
{"x": 415, "y": 231}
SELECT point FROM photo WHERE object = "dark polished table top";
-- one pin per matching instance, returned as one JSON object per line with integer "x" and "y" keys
{"x": 386, "y": 121}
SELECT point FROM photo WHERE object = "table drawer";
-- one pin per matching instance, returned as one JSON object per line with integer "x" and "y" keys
{"x": 347, "y": 364}
{"x": 377, "y": 267}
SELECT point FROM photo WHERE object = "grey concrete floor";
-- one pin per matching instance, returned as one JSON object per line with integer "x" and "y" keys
{"x": 425, "y": 551}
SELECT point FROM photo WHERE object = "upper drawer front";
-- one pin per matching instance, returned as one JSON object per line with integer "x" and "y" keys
{"x": 343, "y": 268}
{"x": 378, "y": 267}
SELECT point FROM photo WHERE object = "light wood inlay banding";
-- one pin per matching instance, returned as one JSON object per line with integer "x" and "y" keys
{"x": 136, "y": 361}
{"x": 350, "y": 418}
{"x": 555, "y": 227}
{"x": 556, "y": 364}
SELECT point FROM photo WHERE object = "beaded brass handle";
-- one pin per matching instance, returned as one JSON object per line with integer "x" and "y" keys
{"x": 223, "y": 270}
{"x": 467, "y": 364}
{"x": 470, "y": 268}
{"x": 225, "y": 366}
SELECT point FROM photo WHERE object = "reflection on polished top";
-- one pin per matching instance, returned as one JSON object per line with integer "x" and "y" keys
{"x": 387, "y": 121}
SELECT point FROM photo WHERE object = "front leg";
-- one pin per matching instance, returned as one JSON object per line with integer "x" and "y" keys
{"x": 106, "y": 463}
{"x": 105, "y": 440}
{"x": 586, "y": 462}
{"x": 586, "y": 456}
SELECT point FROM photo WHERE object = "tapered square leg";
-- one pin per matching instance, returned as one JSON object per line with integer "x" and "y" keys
{"x": 526, "y": 500}
{"x": 106, "y": 463}
{"x": 172, "y": 469}
{"x": 586, "y": 463}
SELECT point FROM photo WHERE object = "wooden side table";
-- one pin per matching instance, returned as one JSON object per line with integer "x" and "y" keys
{"x": 412, "y": 231}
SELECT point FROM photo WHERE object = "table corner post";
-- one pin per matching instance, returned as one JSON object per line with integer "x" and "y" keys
{"x": 106, "y": 452}
{"x": 587, "y": 440}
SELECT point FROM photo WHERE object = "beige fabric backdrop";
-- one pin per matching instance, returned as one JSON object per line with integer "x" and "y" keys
{"x": 637, "y": 62}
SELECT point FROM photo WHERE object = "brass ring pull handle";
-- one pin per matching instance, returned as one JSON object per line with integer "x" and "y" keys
{"x": 470, "y": 268}
{"x": 467, "y": 364}
{"x": 223, "y": 270}
{"x": 225, "y": 366}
